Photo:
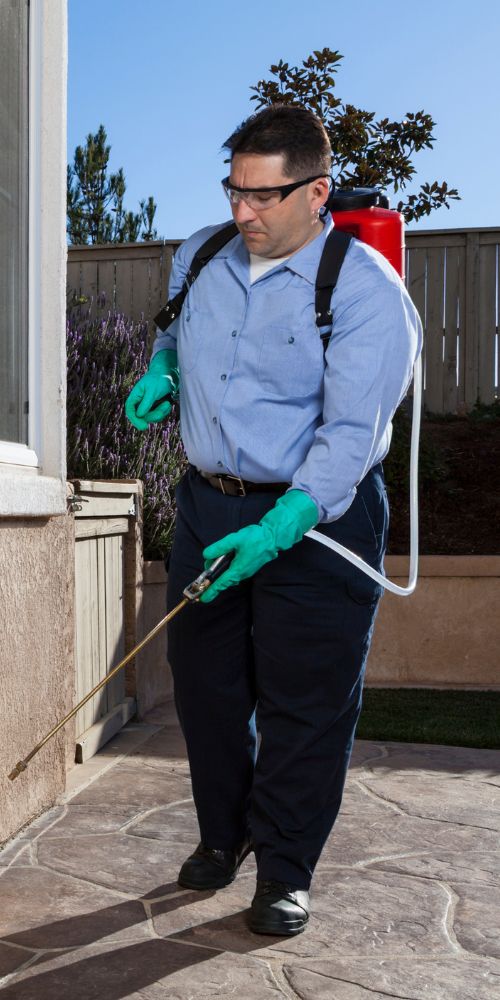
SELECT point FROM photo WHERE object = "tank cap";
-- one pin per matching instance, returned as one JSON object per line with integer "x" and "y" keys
{"x": 349, "y": 199}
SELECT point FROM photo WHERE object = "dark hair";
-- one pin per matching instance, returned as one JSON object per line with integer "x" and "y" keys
{"x": 288, "y": 129}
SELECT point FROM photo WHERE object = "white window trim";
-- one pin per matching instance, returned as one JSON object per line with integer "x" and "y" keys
{"x": 33, "y": 476}
{"x": 17, "y": 454}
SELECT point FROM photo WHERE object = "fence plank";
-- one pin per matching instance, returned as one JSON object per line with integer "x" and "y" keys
{"x": 471, "y": 331}
{"x": 434, "y": 330}
{"x": 141, "y": 288}
{"x": 416, "y": 279}
{"x": 92, "y": 527}
{"x": 157, "y": 296}
{"x": 87, "y": 627}
{"x": 416, "y": 271}
{"x": 92, "y": 668}
{"x": 462, "y": 292}
{"x": 453, "y": 308}
{"x": 497, "y": 372}
{"x": 435, "y": 238}
{"x": 487, "y": 323}
{"x": 81, "y": 619}
{"x": 89, "y": 283}
{"x": 100, "y": 700}
{"x": 156, "y": 286}
{"x": 109, "y": 487}
{"x": 106, "y": 285}
{"x": 73, "y": 276}
{"x": 166, "y": 267}
{"x": 123, "y": 287}
{"x": 115, "y": 646}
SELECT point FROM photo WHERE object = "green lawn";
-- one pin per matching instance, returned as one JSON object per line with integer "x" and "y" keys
{"x": 417, "y": 715}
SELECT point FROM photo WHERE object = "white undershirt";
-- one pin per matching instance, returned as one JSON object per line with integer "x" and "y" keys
{"x": 259, "y": 265}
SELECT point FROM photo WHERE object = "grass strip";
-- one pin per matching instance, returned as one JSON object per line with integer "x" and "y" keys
{"x": 421, "y": 715}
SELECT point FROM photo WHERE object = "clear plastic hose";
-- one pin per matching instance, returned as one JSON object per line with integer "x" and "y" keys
{"x": 351, "y": 556}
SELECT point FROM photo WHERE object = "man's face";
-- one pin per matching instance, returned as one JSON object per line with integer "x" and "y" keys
{"x": 289, "y": 225}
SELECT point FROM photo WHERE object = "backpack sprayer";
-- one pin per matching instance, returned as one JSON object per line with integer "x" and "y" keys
{"x": 363, "y": 213}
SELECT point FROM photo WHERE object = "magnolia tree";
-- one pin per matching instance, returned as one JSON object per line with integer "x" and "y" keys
{"x": 366, "y": 152}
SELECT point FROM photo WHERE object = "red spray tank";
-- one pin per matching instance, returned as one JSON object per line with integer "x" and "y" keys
{"x": 365, "y": 213}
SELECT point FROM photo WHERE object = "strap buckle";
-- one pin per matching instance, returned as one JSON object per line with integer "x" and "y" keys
{"x": 236, "y": 479}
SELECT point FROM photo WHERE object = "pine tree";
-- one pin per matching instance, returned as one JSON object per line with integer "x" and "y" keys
{"x": 95, "y": 208}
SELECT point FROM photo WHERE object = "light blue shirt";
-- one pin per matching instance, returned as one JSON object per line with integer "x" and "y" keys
{"x": 256, "y": 397}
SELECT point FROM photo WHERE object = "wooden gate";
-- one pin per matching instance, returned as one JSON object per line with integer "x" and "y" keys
{"x": 105, "y": 558}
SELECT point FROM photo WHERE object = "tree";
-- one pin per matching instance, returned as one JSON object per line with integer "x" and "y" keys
{"x": 366, "y": 152}
{"x": 95, "y": 210}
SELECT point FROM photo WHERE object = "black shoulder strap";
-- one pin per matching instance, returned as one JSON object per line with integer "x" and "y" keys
{"x": 332, "y": 258}
{"x": 202, "y": 256}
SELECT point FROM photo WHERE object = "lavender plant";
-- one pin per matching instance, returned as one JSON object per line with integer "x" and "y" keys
{"x": 105, "y": 357}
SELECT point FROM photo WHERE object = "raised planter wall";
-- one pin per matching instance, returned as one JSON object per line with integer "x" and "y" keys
{"x": 447, "y": 634}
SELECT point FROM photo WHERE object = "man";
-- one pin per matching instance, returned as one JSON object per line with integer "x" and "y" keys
{"x": 280, "y": 438}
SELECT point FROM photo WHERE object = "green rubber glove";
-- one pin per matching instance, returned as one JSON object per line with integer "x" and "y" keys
{"x": 161, "y": 378}
{"x": 284, "y": 525}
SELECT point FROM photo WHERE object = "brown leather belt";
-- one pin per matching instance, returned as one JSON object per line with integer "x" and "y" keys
{"x": 233, "y": 486}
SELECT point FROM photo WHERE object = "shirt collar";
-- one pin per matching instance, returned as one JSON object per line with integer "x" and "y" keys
{"x": 305, "y": 262}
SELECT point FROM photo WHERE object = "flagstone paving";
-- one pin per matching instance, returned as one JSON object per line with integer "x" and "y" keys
{"x": 405, "y": 898}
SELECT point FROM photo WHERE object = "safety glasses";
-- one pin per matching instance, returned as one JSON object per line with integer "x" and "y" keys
{"x": 265, "y": 197}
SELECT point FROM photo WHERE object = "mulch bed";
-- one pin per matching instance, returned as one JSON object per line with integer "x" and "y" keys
{"x": 459, "y": 493}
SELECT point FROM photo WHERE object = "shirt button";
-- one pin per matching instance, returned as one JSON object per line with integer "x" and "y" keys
{"x": 219, "y": 465}
{"x": 234, "y": 333}
{"x": 214, "y": 420}
{"x": 291, "y": 340}
{"x": 188, "y": 317}
{"x": 223, "y": 378}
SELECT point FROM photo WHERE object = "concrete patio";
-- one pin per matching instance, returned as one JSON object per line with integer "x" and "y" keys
{"x": 405, "y": 899}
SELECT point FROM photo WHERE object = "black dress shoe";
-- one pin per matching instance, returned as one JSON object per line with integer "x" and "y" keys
{"x": 209, "y": 868}
{"x": 278, "y": 908}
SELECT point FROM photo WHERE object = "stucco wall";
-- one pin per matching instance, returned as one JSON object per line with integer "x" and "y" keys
{"x": 36, "y": 661}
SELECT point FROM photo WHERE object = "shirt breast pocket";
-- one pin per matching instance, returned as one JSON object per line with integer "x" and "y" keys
{"x": 291, "y": 361}
{"x": 190, "y": 337}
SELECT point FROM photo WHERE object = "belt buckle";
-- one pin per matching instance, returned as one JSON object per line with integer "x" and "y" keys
{"x": 237, "y": 479}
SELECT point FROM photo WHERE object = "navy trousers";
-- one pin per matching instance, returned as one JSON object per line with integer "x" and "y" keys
{"x": 283, "y": 653}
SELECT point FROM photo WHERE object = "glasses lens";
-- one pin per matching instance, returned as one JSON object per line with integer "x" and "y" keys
{"x": 258, "y": 200}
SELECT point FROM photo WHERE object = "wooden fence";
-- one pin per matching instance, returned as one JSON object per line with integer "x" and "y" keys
{"x": 452, "y": 276}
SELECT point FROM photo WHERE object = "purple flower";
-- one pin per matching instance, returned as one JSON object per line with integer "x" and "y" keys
{"x": 105, "y": 358}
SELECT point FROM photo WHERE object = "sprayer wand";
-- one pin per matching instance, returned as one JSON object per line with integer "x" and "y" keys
{"x": 192, "y": 593}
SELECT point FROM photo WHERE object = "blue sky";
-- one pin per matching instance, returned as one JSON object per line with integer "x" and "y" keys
{"x": 170, "y": 81}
